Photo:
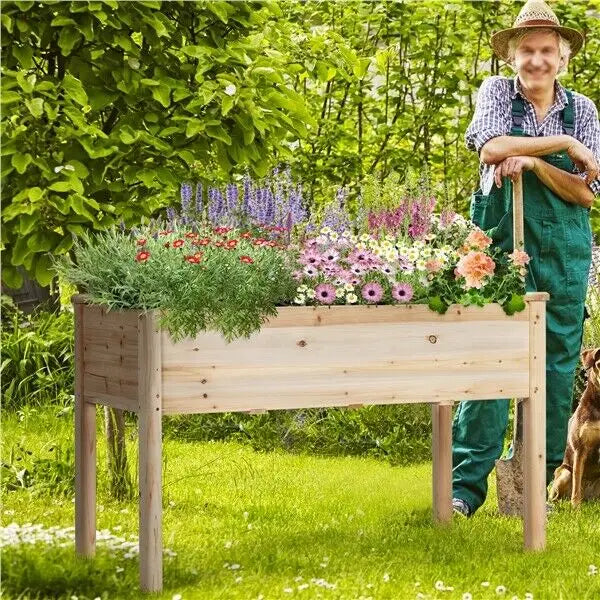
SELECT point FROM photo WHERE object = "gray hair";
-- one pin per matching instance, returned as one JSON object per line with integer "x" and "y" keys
{"x": 564, "y": 46}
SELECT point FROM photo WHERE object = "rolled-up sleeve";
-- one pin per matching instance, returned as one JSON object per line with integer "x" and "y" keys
{"x": 492, "y": 117}
{"x": 590, "y": 138}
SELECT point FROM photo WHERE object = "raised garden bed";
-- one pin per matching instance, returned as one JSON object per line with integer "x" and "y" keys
{"x": 306, "y": 357}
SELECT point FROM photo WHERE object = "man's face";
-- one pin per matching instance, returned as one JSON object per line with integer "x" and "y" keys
{"x": 537, "y": 60}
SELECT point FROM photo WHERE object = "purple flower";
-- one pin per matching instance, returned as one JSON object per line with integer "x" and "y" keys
{"x": 216, "y": 206}
{"x": 171, "y": 215}
{"x": 372, "y": 292}
{"x": 198, "y": 199}
{"x": 186, "y": 198}
{"x": 402, "y": 292}
{"x": 325, "y": 293}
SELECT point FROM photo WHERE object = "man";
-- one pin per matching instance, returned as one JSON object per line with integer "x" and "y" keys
{"x": 532, "y": 125}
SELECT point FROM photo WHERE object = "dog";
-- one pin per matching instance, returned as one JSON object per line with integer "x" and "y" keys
{"x": 578, "y": 477}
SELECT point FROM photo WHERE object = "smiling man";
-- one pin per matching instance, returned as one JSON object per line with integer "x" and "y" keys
{"x": 534, "y": 126}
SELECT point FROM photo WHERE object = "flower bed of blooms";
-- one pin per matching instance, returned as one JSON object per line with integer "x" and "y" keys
{"x": 227, "y": 264}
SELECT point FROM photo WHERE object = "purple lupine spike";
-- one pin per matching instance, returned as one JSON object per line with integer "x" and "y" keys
{"x": 247, "y": 196}
{"x": 215, "y": 208}
{"x": 122, "y": 226}
{"x": 186, "y": 198}
{"x": 198, "y": 204}
{"x": 231, "y": 195}
{"x": 171, "y": 215}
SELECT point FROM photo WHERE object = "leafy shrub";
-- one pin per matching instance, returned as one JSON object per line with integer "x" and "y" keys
{"x": 37, "y": 357}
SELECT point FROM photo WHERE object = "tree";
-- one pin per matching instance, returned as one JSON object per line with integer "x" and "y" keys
{"x": 108, "y": 106}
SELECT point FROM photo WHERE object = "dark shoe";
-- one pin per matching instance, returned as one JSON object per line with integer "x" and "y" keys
{"x": 460, "y": 507}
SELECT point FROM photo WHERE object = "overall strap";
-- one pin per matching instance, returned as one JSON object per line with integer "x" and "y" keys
{"x": 518, "y": 114}
{"x": 568, "y": 120}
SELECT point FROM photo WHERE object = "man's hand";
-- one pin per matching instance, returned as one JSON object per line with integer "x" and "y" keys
{"x": 584, "y": 160}
{"x": 512, "y": 167}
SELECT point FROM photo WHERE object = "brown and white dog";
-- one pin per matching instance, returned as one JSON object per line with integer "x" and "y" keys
{"x": 579, "y": 475}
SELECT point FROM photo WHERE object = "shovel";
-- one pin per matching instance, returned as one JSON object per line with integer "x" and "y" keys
{"x": 509, "y": 471}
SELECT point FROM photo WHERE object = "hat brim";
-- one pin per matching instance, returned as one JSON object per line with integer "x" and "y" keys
{"x": 500, "y": 39}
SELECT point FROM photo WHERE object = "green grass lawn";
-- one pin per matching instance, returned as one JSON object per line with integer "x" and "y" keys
{"x": 250, "y": 526}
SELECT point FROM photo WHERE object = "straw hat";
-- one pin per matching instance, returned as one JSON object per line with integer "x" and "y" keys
{"x": 535, "y": 14}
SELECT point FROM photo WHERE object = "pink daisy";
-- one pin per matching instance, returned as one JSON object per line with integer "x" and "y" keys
{"x": 372, "y": 292}
{"x": 311, "y": 257}
{"x": 331, "y": 255}
{"x": 325, "y": 293}
{"x": 402, "y": 292}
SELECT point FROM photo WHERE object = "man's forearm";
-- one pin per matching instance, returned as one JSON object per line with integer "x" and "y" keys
{"x": 497, "y": 149}
{"x": 570, "y": 188}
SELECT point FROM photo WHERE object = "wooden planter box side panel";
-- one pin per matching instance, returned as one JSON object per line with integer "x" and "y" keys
{"x": 110, "y": 357}
{"x": 309, "y": 357}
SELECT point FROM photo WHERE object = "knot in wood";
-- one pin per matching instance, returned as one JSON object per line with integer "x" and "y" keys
{"x": 433, "y": 339}
{"x": 302, "y": 343}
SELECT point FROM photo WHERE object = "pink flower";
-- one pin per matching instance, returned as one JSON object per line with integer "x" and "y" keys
{"x": 311, "y": 271}
{"x": 331, "y": 255}
{"x": 325, "y": 293}
{"x": 372, "y": 292}
{"x": 311, "y": 257}
{"x": 475, "y": 267}
{"x": 357, "y": 269}
{"x": 387, "y": 269}
{"x": 477, "y": 239}
{"x": 359, "y": 256}
{"x": 519, "y": 258}
{"x": 402, "y": 292}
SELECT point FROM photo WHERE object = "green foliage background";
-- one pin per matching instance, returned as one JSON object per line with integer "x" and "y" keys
{"x": 107, "y": 106}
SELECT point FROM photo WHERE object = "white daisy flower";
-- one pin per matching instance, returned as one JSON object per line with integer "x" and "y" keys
{"x": 351, "y": 298}
{"x": 500, "y": 590}
{"x": 300, "y": 299}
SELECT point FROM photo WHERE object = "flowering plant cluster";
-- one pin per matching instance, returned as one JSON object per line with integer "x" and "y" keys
{"x": 227, "y": 263}
{"x": 207, "y": 278}
{"x": 440, "y": 262}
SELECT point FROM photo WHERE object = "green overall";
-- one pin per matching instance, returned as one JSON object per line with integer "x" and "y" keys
{"x": 558, "y": 240}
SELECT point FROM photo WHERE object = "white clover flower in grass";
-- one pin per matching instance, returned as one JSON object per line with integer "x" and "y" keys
{"x": 528, "y": 596}
{"x": 467, "y": 596}
{"x": 176, "y": 597}
{"x": 230, "y": 90}
{"x": 500, "y": 590}
{"x": 386, "y": 577}
{"x": 439, "y": 585}
{"x": 303, "y": 586}
{"x": 228, "y": 544}
{"x": 592, "y": 570}
{"x": 485, "y": 584}
{"x": 288, "y": 590}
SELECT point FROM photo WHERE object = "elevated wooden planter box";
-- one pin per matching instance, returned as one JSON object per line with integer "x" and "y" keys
{"x": 306, "y": 357}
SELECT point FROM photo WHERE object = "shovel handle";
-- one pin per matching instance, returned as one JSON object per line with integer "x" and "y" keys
{"x": 518, "y": 231}
{"x": 518, "y": 243}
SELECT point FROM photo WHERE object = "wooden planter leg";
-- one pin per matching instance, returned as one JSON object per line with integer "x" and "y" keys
{"x": 150, "y": 453}
{"x": 441, "y": 416}
{"x": 85, "y": 453}
{"x": 534, "y": 434}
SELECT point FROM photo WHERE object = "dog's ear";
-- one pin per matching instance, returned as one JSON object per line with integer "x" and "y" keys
{"x": 589, "y": 357}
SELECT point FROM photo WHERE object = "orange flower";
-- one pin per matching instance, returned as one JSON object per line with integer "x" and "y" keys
{"x": 191, "y": 235}
{"x": 232, "y": 243}
{"x": 246, "y": 235}
{"x": 141, "y": 242}
{"x": 166, "y": 232}
{"x": 178, "y": 243}
{"x": 142, "y": 256}
{"x": 202, "y": 242}
{"x": 433, "y": 265}
{"x": 477, "y": 239}
{"x": 246, "y": 259}
{"x": 475, "y": 267}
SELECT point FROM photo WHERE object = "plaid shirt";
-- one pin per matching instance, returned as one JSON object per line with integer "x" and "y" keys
{"x": 493, "y": 118}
